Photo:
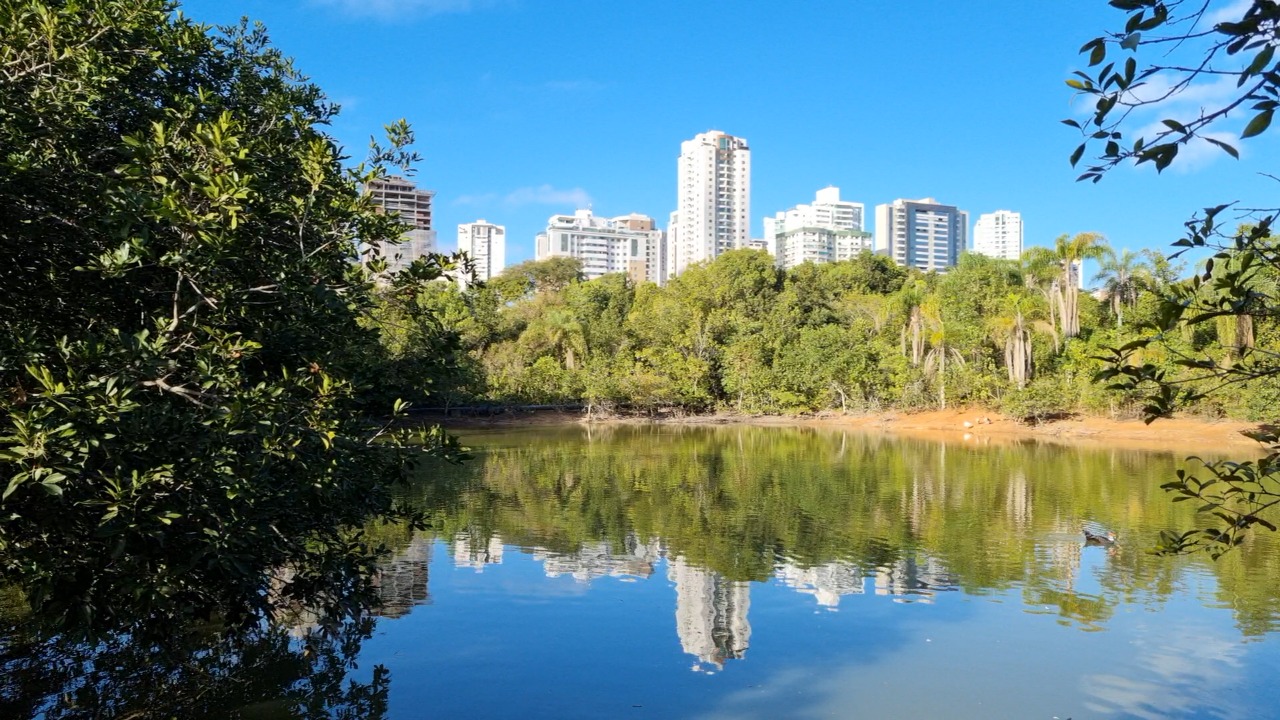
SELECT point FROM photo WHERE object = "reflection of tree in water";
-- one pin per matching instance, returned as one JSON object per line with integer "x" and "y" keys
{"x": 816, "y": 508}
{"x": 197, "y": 672}
{"x": 294, "y": 665}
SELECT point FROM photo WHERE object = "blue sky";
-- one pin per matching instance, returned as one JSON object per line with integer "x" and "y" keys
{"x": 528, "y": 108}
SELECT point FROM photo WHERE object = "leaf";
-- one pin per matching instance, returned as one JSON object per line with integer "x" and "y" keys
{"x": 1257, "y": 125}
{"x": 1260, "y": 61}
{"x": 1098, "y": 54}
{"x": 1130, "y": 42}
{"x": 13, "y": 485}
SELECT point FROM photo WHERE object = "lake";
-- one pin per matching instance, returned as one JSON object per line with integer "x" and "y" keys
{"x": 747, "y": 572}
{"x": 661, "y": 571}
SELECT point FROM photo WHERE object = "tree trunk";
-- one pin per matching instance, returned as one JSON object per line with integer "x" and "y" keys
{"x": 942, "y": 379}
{"x": 917, "y": 336}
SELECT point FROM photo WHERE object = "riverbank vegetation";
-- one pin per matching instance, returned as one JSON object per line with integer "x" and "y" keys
{"x": 857, "y": 336}
{"x": 188, "y": 428}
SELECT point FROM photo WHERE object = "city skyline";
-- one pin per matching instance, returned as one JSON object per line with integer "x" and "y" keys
{"x": 537, "y": 127}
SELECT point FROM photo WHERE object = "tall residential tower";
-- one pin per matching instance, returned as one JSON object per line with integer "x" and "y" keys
{"x": 998, "y": 235}
{"x": 713, "y": 206}
{"x": 623, "y": 244}
{"x": 921, "y": 233}
{"x": 827, "y": 230}
{"x": 486, "y": 245}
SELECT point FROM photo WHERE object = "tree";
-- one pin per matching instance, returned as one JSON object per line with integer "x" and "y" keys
{"x": 1122, "y": 277}
{"x": 558, "y": 330}
{"x": 1012, "y": 329}
{"x": 553, "y": 274}
{"x": 184, "y": 430}
{"x": 910, "y": 300}
{"x": 1040, "y": 273}
{"x": 1192, "y": 43}
{"x": 941, "y": 347}
{"x": 1067, "y": 257}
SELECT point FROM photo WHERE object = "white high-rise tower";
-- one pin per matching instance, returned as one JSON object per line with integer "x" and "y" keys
{"x": 713, "y": 207}
{"x": 486, "y": 245}
{"x": 998, "y": 235}
{"x": 827, "y": 230}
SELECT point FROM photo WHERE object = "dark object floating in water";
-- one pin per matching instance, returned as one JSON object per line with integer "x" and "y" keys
{"x": 1098, "y": 536}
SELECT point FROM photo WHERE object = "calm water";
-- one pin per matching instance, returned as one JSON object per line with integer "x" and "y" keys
{"x": 739, "y": 572}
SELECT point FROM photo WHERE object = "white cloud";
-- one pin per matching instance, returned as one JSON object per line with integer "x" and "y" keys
{"x": 547, "y": 195}
{"x": 1198, "y": 153}
{"x": 1231, "y": 12}
{"x": 1185, "y": 106}
{"x": 1193, "y": 97}
{"x": 532, "y": 195}
{"x": 481, "y": 199}
{"x": 387, "y": 9}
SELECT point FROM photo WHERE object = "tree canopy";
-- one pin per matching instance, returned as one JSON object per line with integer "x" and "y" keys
{"x": 183, "y": 368}
{"x": 1171, "y": 48}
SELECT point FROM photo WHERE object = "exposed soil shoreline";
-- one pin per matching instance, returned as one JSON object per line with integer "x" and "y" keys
{"x": 1187, "y": 434}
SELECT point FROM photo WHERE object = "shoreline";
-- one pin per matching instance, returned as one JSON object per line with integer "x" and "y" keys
{"x": 977, "y": 426}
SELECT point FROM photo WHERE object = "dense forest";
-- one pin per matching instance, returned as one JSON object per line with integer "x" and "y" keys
{"x": 740, "y": 335}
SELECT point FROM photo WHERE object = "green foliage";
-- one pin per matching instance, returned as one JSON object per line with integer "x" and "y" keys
{"x": 1213, "y": 333}
{"x": 1046, "y": 398}
{"x": 183, "y": 369}
{"x": 1187, "y": 49}
{"x": 198, "y": 671}
{"x": 854, "y": 336}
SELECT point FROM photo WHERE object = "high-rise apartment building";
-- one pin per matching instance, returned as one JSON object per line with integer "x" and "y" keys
{"x": 828, "y": 230}
{"x": 604, "y": 245}
{"x": 713, "y": 199}
{"x": 486, "y": 245}
{"x": 921, "y": 233}
{"x": 998, "y": 235}
{"x": 400, "y": 196}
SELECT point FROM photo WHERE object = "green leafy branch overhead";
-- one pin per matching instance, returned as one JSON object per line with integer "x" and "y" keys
{"x": 1190, "y": 49}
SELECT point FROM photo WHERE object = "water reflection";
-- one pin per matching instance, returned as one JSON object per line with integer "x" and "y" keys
{"x": 713, "y": 525}
{"x": 719, "y": 525}
{"x": 829, "y": 514}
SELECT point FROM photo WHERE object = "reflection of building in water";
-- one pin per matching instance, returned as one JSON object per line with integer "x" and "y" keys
{"x": 475, "y": 553}
{"x": 914, "y": 577}
{"x": 402, "y": 581}
{"x": 711, "y": 614}
{"x": 825, "y": 582}
{"x": 1062, "y": 558}
{"x": 593, "y": 560}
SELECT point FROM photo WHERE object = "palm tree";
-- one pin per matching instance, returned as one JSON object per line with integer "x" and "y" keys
{"x": 940, "y": 347}
{"x": 1071, "y": 254}
{"x": 558, "y": 329}
{"x": 1061, "y": 266}
{"x": 875, "y": 308}
{"x": 1040, "y": 270}
{"x": 910, "y": 299}
{"x": 1010, "y": 329}
{"x": 1122, "y": 276}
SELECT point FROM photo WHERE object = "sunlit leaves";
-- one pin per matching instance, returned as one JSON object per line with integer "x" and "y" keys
{"x": 1186, "y": 57}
